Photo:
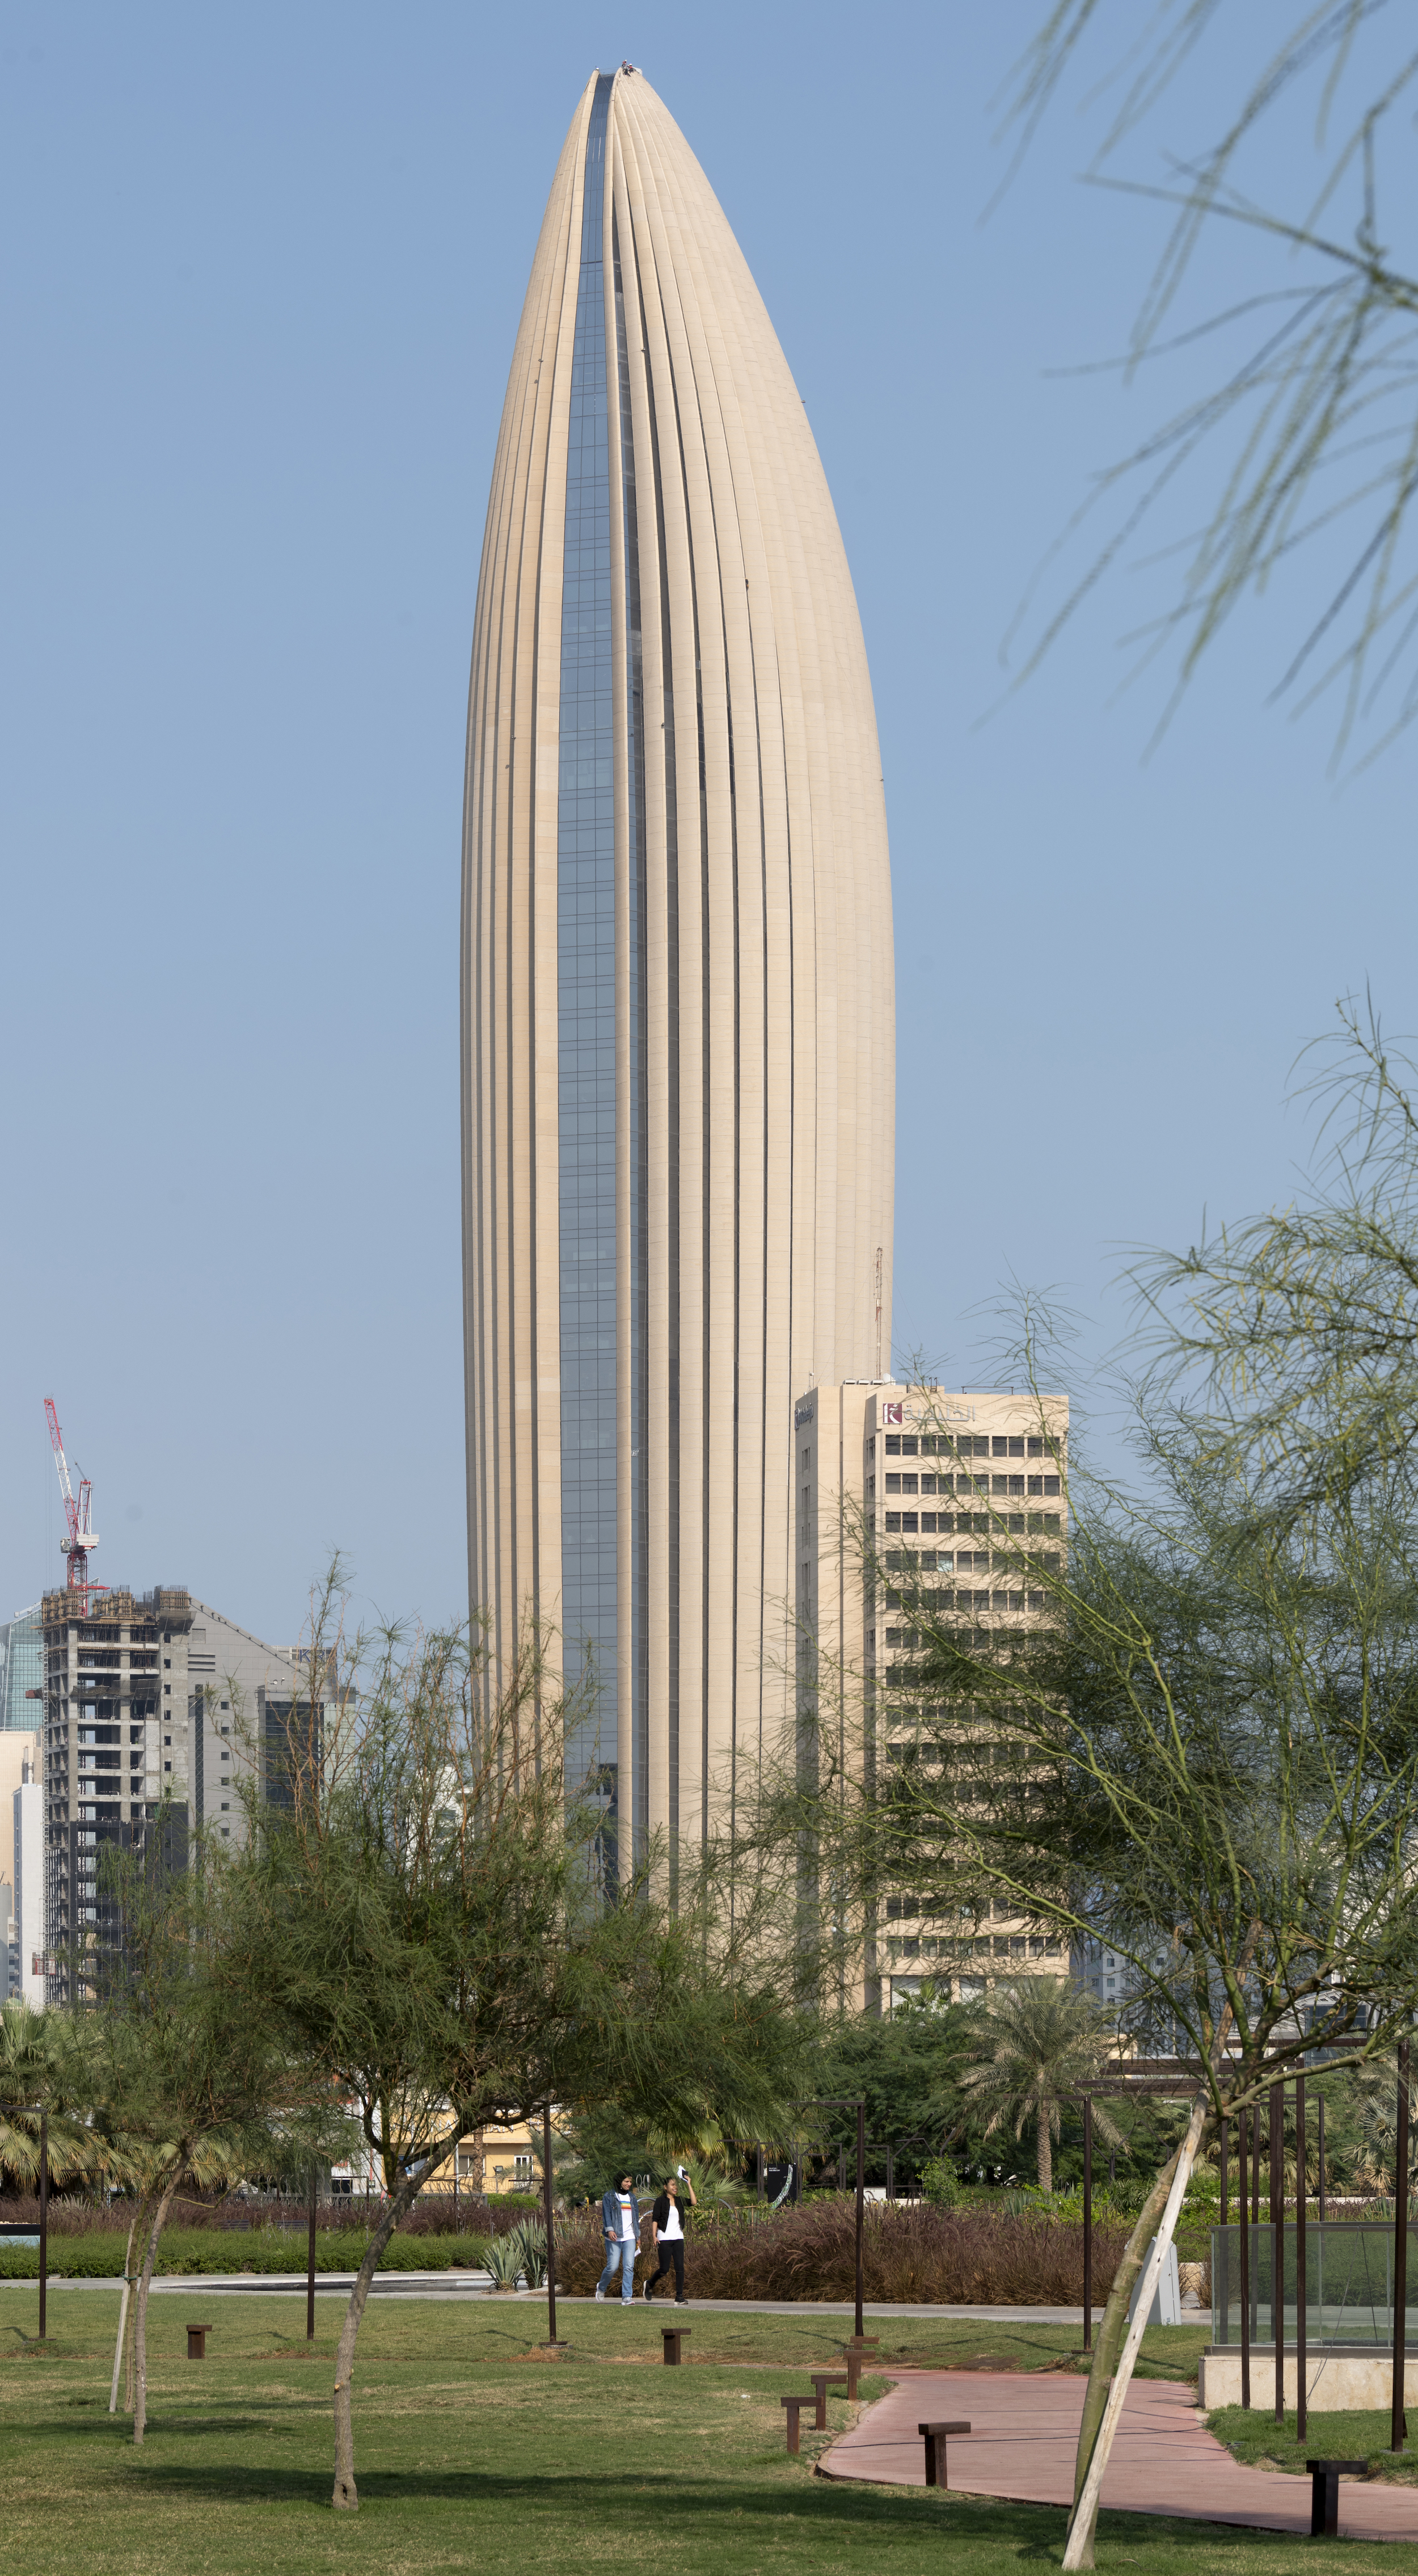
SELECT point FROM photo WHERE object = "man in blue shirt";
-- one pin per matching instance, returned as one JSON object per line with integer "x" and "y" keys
{"x": 620, "y": 2226}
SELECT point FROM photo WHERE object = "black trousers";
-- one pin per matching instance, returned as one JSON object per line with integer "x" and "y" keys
{"x": 671, "y": 2253}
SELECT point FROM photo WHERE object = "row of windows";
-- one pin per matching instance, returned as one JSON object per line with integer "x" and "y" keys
{"x": 979, "y": 1753}
{"x": 1002, "y": 1485}
{"x": 980, "y": 1524}
{"x": 1015, "y": 1945}
{"x": 967, "y": 1444}
{"x": 970, "y": 1560}
{"x": 909, "y": 1639}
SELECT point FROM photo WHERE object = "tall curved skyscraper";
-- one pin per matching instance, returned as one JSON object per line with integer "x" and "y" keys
{"x": 678, "y": 1020}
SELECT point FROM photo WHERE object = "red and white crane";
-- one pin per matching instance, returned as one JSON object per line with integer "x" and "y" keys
{"x": 81, "y": 1537}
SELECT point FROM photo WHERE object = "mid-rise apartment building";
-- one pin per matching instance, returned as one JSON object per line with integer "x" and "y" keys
{"x": 951, "y": 1493}
{"x": 155, "y": 1707}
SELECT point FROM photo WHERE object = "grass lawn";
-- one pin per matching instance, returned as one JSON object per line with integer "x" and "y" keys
{"x": 1341, "y": 2434}
{"x": 471, "y": 2456}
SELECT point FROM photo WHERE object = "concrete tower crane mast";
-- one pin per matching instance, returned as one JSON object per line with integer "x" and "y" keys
{"x": 81, "y": 1537}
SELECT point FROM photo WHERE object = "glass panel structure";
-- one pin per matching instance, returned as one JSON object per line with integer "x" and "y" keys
{"x": 1348, "y": 2284}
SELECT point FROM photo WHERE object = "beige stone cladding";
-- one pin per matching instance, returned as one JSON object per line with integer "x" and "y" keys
{"x": 940, "y": 1487}
{"x": 749, "y": 955}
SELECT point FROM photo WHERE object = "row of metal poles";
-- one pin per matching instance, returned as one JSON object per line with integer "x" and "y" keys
{"x": 1248, "y": 2163}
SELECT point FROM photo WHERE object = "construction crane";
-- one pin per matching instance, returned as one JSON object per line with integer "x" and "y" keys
{"x": 81, "y": 1538}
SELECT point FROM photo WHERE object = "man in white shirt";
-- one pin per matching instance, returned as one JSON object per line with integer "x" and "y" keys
{"x": 620, "y": 2226}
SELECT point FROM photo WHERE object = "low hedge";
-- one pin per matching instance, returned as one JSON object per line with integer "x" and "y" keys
{"x": 99, "y": 2256}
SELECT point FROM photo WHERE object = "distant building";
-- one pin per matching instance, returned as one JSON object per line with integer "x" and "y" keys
{"x": 937, "y": 1488}
{"x": 27, "y": 1825}
{"x": 22, "y": 1671}
{"x": 157, "y": 1711}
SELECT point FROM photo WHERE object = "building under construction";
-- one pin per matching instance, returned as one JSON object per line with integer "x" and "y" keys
{"x": 158, "y": 1713}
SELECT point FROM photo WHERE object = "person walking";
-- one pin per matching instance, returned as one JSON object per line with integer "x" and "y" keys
{"x": 620, "y": 2226}
{"x": 667, "y": 2233}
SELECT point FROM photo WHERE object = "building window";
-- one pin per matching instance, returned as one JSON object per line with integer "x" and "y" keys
{"x": 893, "y": 1484}
{"x": 909, "y": 1521}
{"x": 893, "y": 1444}
{"x": 893, "y": 1520}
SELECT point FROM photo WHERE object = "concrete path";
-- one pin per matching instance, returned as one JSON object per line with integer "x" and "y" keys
{"x": 478, "y": 2285}
{"x": 1025, "y": 2433}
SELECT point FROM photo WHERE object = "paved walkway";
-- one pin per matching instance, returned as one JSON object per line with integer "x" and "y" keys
{"x": 1025, "y": 2434}
{"x": 478, "y": 2285}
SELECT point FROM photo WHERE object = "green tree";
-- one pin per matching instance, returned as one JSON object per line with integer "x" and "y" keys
{"x": 1203, "y": 1749}
{"x": 426, "y": 1926}
{"x": 1038, "y": 2040}
{"x": 906, "y": 2067}
{"x": 184, "y": 2077}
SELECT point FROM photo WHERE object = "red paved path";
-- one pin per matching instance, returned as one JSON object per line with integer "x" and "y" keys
{"x": 1025, "y": 2434}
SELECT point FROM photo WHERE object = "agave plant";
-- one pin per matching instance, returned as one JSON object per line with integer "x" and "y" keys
{"x": 504, "y": 2259}
{"x": 531, "y": 2242}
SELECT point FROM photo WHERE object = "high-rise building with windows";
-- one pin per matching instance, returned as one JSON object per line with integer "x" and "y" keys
{"x": 678, "y": 1030}
{"x": 908, "y": 1496}
{"x": 158, "y": 1714}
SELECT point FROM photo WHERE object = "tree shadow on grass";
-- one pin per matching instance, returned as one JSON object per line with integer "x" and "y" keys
{"x": 693, "y": 2503}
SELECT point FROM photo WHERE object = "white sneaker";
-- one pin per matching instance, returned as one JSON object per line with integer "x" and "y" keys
{"x": 600, "y": 2294}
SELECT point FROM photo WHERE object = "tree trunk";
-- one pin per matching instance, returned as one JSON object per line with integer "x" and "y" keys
{"x": 1046, "y": 2154}
{"x": 345, "y": 2498}
{"x": 123, "y": 2308}
{"x": 140, "y": 2306}
{"x": 1102, "y": 2405}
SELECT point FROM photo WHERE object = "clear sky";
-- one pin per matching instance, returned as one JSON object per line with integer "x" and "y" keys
{"x": 262, "y": 269}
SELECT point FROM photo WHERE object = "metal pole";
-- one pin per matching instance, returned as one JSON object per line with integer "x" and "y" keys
{"x": 1225, "y": 2185}
{"x": 1302, "y": 2282}
{"x": 758, "y": 2162}
{"x": 43, "y": 2219}
{"x": 1088, "y": 2222}
{"x": 1242, "y": 2140}
{"x": 890, "y": 2175}
{"x": 310, "y": 2265}
{"x": 546, "y": 2204}
{"x": 1277, "y": 2242}
{"x": 1399, "y": 2423}
{"x": 1321, "y": 2157}
{"x": 861, "y": 2201}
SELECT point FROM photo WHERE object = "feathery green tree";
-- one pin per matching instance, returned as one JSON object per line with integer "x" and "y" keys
{"x": 426, "y": 1926}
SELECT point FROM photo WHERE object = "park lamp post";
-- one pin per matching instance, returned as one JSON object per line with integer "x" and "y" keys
{"x": 849, "y": 2102}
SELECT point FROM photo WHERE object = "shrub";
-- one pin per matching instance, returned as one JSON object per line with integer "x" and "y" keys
{"x": 934, "y": 2256}
{"x": 940, "y": 2183}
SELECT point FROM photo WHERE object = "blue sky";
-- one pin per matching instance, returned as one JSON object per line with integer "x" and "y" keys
{"x": 261, "y": 277}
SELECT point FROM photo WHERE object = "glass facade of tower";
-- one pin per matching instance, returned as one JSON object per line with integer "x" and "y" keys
{"x": 586, "y": 1021}
{"x": 585, "y": 958}
{"x": 22, "y": 1671}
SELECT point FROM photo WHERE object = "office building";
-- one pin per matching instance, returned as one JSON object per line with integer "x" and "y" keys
{"x": 943, "y": 1491}
{"x": 158, "y": 1711}
{"x": 21, "y": 1672}
{"x": 678, "y": 1032}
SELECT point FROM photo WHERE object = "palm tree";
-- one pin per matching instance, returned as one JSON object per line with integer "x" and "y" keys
{"x": 1039, "y": 2039}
